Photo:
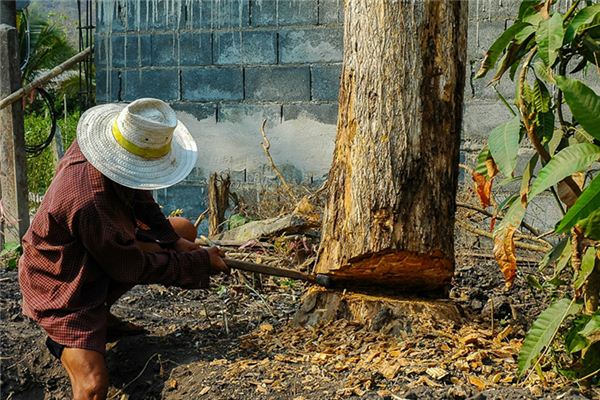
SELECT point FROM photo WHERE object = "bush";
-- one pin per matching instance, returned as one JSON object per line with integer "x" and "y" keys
{"x": 41, "y": 168}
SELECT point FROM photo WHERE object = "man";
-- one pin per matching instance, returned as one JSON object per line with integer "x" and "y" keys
{"x": 85, "y": 248}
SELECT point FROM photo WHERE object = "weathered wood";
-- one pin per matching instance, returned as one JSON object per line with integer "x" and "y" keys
{"x": 389, "y": 315}
{"x": 266, "y": 228}
{"x": 389, "y": 217}
{"x": 13, "y": 176}
{"x": 218, "y": 201}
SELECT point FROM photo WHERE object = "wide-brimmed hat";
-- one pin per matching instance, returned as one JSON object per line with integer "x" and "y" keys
{"x": 140, "y": 145}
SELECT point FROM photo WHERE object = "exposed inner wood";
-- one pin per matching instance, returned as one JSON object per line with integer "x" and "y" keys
{"x": 400, "y": 269}
{"x": 391, "y": 315}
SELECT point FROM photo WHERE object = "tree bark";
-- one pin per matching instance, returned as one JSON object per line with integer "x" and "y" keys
{"x": 218, "y": 201}
{"x": 389, "y": 217}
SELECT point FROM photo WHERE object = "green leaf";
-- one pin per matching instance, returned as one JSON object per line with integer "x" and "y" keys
{"x": 524, "y": 34}
{"x": 483, "y": 155}
{"x": 513, "y": 216}
{"x": 573, "y": 340}
{"x": 566, "y": 162}
{"x": 554, "y": 143}
{"x": 587, "y": 202}
{"x": 545, "y": 124}
{"x": 587, "y": 266}
{"x": 543, "y": 330}
{"x": 549, "y": 38}
{"x": 496, "y": 49}
{"x": 527, "y": 174}
{"x": 583, "y": 102}
{"x": 583, "y": 17}
{"x": 527, "y": 8}
{"x": 553, "y": 254}
{"x": 533, "y": 282}
{"x": 591, "y": 225}
{"x": 511, "y": 59}
{"x": 592, "y": 330}
{"x": 541, "y": 97}
{"x": 504, "y": 144}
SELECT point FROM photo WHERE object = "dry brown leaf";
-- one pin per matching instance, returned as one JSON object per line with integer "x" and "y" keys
{"x": 491, "y": 167}
{"x": 483, "y": 188}
{"x": 504, "y": 252}
{"x": 479, "y": 383}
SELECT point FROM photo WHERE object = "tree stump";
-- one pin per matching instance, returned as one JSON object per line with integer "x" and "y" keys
{"x": 386, "y": 314}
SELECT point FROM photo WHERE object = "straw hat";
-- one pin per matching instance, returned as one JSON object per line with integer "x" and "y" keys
{"x": 141, "y": 145}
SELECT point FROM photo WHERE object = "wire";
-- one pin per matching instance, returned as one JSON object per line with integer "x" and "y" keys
{"x": 37, "y": 149}
{"x": 24, "y": 13}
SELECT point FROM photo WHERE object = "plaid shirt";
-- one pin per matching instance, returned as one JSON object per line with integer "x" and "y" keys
{"x": 81, "y": 246}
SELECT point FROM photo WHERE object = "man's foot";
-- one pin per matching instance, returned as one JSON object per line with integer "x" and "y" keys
{"x": 117, "y": 328}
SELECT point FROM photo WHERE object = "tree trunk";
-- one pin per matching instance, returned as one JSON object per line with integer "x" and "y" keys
{"x": 389, "y": 217}
{"x": 218, "y": 201}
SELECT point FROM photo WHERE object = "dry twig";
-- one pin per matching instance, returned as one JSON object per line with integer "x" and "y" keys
{"x": 266, "y": 145}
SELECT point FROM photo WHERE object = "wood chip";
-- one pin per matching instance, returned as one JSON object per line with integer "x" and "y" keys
{"x": 479, "y": 383}
{"x": 436, "y": 373}
{"x": 204, "y": 390}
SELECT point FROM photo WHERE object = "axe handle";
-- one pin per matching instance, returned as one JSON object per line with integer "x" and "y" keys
{"x": 268, "y": 270}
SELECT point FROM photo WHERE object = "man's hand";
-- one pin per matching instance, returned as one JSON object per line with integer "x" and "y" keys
{"x": 217, "y": 264}
{"x": 185, "y": 245}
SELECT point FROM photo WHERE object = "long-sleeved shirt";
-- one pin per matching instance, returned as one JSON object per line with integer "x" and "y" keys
{"x": 82, "y": 241}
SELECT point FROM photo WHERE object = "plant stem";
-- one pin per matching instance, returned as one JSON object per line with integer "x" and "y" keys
{"x": 504, "y": 101}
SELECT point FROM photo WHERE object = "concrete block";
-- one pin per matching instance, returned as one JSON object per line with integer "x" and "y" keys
{"x": 211, "y": 14}
{"x": 331, "y": 12}
{"x": 324, "y": 112}
{"x": 111, "y": 17}
{"x": 159, "y": 83}
{"x": 138, "y": 50}
{"x": 187, "y": 196}
{"x": 325, "y": 81}
{"x": 199, "y": 110}
{"x": 250, "y": 112}
{"x": 195, "y": 48}
{"x": 165, "y": 50}
{"x": 485, "y": 11}
{"x": 116, "y": 51}
{"x": 163, "y": 14}
{"x": 480, "y": 117}
{"x": 212, "y": 84}
{"x": 254, "y": 47}
{"x": 284, "y": 12}
{"x": 101, "y": 50}
{"x": 277, "y": 83}
{"x": 311, "y": 45}
{"x": 108, "y": 85}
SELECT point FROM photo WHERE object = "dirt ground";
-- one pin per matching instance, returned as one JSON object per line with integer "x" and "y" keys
{"x": 236, "y": 341}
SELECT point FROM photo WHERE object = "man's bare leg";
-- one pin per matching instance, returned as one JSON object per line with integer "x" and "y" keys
{"x": 87, "y": 372}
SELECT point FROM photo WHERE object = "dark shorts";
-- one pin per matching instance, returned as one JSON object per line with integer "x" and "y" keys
{"x": 56, "y": 349}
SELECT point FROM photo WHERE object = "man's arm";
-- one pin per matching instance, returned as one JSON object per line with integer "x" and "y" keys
{"x": 148, "y": 211}
{"x": 116, "y": 253}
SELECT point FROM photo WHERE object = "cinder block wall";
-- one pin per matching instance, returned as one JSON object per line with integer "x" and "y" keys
{"x": 223, "y": 59}
{"x": 224, "y": 65}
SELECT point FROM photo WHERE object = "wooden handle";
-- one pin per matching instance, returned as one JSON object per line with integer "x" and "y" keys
{"x": 268, "y": 270}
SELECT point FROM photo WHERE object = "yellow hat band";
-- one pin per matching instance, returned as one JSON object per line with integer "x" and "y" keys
{"x": 137, "y": 150}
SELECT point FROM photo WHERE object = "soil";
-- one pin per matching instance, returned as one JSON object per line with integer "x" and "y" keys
{"x": 236, "y": 341}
